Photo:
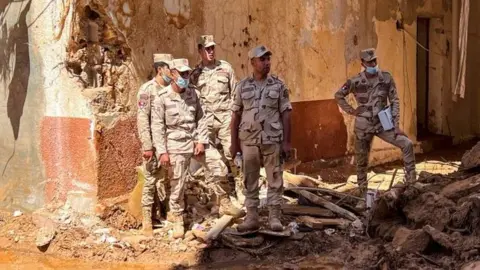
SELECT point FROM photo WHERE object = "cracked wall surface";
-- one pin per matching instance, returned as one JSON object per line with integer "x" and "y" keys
{"x": 70, "y": 72}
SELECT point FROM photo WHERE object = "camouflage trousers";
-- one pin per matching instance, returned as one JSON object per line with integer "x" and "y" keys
{"x": 214, "y": 162}
{"x": 363, "y": 144}
{"x": 154, "y": 182}
{"x": 177, "y": 173}
{"x": 254, "y": 157}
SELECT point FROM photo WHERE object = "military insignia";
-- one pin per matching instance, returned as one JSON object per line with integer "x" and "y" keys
{"x": 347, "y": 85}
{"x": 285, "y": 93}
{"x": 143, "y": 100}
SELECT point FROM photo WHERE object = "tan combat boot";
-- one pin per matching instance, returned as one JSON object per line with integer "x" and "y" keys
{"x": 251, "y": 221}
{"x": 274, "y": 216}
{"x": 227, "y": 208}
{"x": 178, "y": 229}
{"x": 147, "y": 221}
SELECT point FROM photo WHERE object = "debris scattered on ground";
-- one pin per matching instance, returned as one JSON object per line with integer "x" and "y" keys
{"x": 434, "y": 224}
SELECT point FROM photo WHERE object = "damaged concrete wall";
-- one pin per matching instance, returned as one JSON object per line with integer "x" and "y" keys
{"x": 74, "y": 67}
{"x": 46, "y": 148}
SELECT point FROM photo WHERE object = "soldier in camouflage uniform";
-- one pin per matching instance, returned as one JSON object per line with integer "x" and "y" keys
{"x": 372, "y": 89}
{"x": 153, "y": 176}
{"x": 261, "y": 131}
{"x": 179, "y": 133}
{"x": 215, "y": 80}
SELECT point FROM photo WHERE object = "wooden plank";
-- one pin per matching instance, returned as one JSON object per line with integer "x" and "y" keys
{"x": 290, "y": 209}
{"x": 320, "y": 223}
{"x": 331, "y": 206}
{"x": 219, "y": 226}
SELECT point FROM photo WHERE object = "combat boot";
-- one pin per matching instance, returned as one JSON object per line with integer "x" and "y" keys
{"x": 147, "y": 221}
{"x": 251, "y": 221}
{"x": 227, "y": 208}
{"x": 274, "y": 216}
{"x": 411, "y": 177}
{"x": 178, "y": 229}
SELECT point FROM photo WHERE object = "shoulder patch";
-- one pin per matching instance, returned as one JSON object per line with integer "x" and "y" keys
{"x": 143, "y": 100}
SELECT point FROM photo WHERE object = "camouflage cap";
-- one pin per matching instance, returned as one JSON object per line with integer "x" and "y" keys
{"x": 258, "y": 51}
{"x": 162, "y": 57}
{"x": 180, "y": 64}
{"x": 206, "y": 41}
{"x": 368, "y": 55}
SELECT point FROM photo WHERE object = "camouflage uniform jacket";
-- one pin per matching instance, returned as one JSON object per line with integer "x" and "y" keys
{"x": 216, "y": 86}
{"x": 178, "y": 121}
{"x": 261, "y": 110}
{"x": 372, "y": 94}
{"x": 146, "y": 96}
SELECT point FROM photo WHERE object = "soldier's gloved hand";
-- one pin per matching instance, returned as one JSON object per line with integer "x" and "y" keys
{"x": 165, "y": 160}
{"x": 199, "y": 149}
{"x": 148, "y": 155}
{"x": 398, "y": 131}
{"x": 286, "y": 151}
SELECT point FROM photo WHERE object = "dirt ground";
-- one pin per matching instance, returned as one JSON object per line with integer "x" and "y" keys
{"x": 433, "y": 225}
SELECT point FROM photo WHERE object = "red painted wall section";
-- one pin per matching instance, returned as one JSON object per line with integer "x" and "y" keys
{"x": 68, "y": 155}
{"x": 318, "y": 130}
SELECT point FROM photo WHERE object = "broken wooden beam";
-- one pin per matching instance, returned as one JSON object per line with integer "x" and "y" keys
{"x": 459, "y": 189}
{"x": 325, "y": 190}
{"x": 320, "y": 223}
{"x": 293, "y": 209}
{"x": 441, "y": 238}
{"x": 219, "y": 226}
{"x": 331, "y": 206}
{"x": 301, "y": 180}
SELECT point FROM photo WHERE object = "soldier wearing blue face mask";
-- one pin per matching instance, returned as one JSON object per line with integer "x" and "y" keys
{"x": 154, "y": 177}
{"x": 376, "y": 96}
{"x": 179, "y": 133}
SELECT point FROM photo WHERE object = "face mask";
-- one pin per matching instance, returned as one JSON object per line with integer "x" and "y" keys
{"x": 166, "y": 79}
{"x": 182, "y": 83}
{"x": 372, "y": 70}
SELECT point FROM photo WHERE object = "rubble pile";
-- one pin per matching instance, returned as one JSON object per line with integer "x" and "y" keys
{"x": 434, "y": 224}
{"x": 436, "y": 221}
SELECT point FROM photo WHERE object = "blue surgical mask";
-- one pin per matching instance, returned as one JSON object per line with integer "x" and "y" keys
{"x": 182, "y": 83}
{"x": 166, "y": 79}
{"x": 372, "y": 70}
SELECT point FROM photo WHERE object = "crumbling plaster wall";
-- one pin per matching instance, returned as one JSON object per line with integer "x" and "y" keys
{"x": 46, "y": 145}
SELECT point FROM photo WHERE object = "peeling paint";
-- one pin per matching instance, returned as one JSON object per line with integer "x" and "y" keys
{"x": 178, "y": 12}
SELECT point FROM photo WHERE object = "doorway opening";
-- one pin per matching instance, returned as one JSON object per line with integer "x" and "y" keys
{"x": 423, "y": 66}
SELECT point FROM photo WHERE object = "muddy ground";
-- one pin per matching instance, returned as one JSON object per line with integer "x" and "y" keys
{"x": 433, "y": 225}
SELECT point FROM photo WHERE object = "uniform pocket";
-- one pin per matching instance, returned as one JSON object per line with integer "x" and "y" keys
{"x": 222, "y": 84}
{"x": 271, "y": 99}
{"x": 274, "y": 132}
{"x": 248, "y": 99}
